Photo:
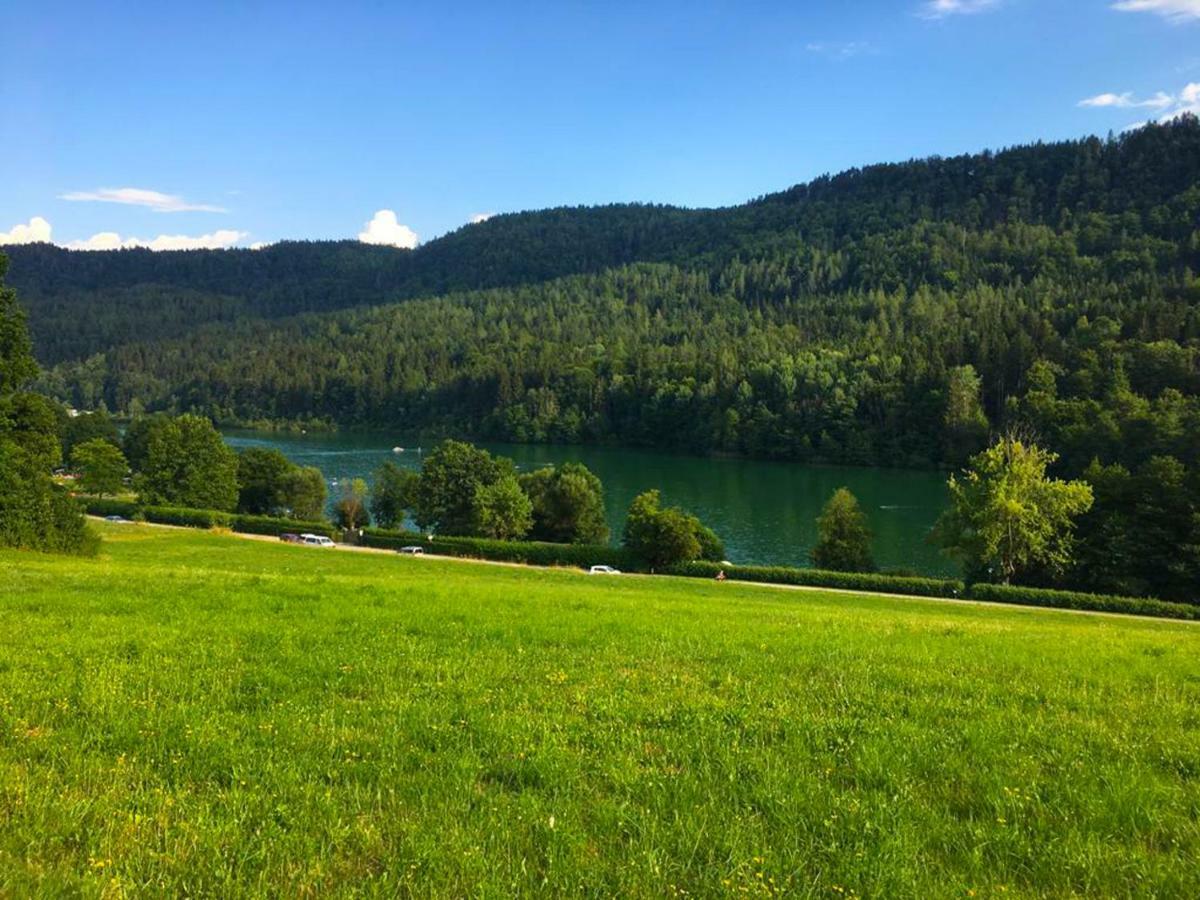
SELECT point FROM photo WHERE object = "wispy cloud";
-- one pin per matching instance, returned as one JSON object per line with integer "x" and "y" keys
{"x": 1161, "y": 100}
{"x": 155, "y": 200}
{"x": 1171, "y": 106}
{"x": 940, "y": 9}
{"x": 36, "y": 231}
{"x": 1177, "y": 11}
{"x": 839, "y": 49}
{"x": 476, "y": 218}
{"x": 385, "y": 228}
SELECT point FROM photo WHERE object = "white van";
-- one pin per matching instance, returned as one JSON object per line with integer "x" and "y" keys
{"x": 603, "y": 570}
{"x": 316, "y": 540}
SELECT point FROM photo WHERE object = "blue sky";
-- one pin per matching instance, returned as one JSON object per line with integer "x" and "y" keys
{"x": 238, "y": 123}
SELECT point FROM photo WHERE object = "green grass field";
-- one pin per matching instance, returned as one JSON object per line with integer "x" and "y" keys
{"x": 199, "y": 714}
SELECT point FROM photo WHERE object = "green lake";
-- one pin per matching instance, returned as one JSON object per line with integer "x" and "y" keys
{"x": 764, "y": 511}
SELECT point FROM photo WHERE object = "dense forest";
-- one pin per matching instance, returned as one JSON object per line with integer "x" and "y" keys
{"x": 1142, "y": 185}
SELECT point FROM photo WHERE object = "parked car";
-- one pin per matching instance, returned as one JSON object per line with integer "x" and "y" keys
{"x": 603, "y": 570}
{"x": 412, "y": 551}
{"x": 118, "y": 520}
{"x": 316, "y": 540}
{"x": 288, "y": 538}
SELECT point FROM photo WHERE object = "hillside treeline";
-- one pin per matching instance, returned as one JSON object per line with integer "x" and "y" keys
{"x": 1124, "y": 196}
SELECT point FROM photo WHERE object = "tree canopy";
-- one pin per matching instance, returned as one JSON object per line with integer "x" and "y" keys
{"x": 1007, "y": 517}
{"x": 188, "y": 464}
{"x": 35, "y": 513}
{"x": 843, "y": 536}
{"x": 664, "y": 536}
{"x": 100, "y": 465}
{"x": 568, "y": 504}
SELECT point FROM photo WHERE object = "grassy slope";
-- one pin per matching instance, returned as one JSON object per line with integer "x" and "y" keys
{"x": 192, "y": 712}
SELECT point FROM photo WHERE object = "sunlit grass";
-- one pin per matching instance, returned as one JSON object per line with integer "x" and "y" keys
{"x": 192, "y": 713}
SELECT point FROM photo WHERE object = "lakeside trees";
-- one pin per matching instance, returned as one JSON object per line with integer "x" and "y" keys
{"x": 35, "y": 513}
{"x": 567, "y": 504}
{"x": 1142, "y": 535}
{"x": 462, "y": 490}
{"x": 270, "y": 484}
{"x": 101, "y": 467}
{"x": 843, "y": 536}
{"x": 187, "y": 463}
{"x": 447, "y": 495}
{"x": 392, "y": 495}
{"x": 1007, "y": 517}
{"x": 79, "y": 429}
{"x": 350, "y": 511}
{"x": 663, "y": 537}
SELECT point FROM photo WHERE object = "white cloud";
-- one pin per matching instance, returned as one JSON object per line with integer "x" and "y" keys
{"x": 110, "y": 240}
{"x": 36, "y": 231}
{"x": 385, "y": 229}
{"x": 476, "y": 218}
{"x": 1161, "y": 100}
{"x": 155, "y": 200}
{"x": 839, "y": 49}
{"x": 939, "y": 9}
{"x": 1171, "y": 106}
{"x": 39, "y": 229}
{"x": 1188, "y": 101}
{"x": 1176, "y": 11}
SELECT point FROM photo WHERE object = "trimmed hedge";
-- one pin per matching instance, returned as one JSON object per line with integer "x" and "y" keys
{"x": 935, "y": 587}
{"x": 1135, "y": 606}
{"x": 98, "y": 507}
{"x": 275, "y": 525}
{"x": 206, "y": 518}
{"x": 537, "y": 553}
{"x": 851, "y": 581}
{"x": 189, "y": 518}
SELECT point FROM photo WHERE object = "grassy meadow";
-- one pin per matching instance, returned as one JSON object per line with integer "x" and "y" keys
{"x": 199, "y": 714}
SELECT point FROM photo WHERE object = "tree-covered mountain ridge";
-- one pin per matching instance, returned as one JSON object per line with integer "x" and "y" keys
{"x": 81, "y": 303}
{"x": 894, "y": 315}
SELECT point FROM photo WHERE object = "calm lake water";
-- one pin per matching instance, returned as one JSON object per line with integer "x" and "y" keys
{"x": 764, "y": 511}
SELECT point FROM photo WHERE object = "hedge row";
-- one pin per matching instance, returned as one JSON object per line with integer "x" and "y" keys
{"x": 537, "y": 553}
{"x": 1137, "y": 606}
{"x": 98, "y": 507}
{"x": 206, "y": 518}
{"x": 189, "y": 518}
{"x": 853, "y": 581}
{"x": 274, "y": 525}
{"x": 935, "y": 587}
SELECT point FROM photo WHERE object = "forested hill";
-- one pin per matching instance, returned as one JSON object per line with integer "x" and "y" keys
{"x": 893, "y": 315}
{"x": 1141, "y": 187}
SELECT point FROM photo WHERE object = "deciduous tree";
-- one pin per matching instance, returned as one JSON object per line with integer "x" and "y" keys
{"x": 393, "y": 494}
{"x": 568, "y": 504}
{"x": 1007, "y": 515}
{"x": 843, "y": 536}
{"x": 34, "y": 512}
{"x": 100, "y": 465}
{"x": 189, "y": 464}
